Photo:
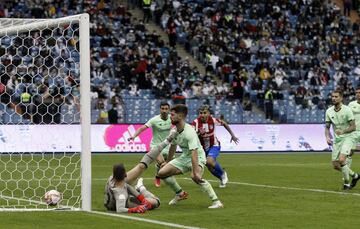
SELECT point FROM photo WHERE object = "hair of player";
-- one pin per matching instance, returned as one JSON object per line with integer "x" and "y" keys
{"x": 204, "y": 108}
{"x": 357, "y": 88}
{"x": 119, "y": 172}
{"x": 164, "y": 103}
{"x": 339, "y": 91}
{"x": 180, "y": 109}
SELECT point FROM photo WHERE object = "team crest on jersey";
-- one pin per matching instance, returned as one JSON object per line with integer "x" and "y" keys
{"x": 211, "y": 126}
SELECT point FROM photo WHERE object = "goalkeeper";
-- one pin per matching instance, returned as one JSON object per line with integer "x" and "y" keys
{"x": 123, "y": 198}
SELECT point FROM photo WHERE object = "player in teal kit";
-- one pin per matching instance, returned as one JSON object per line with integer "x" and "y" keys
{"x": 192, "y": 158}
{"x": 160, "y": 125}
{"x": 342, "y": 120}
{"x": 355, "y": 107}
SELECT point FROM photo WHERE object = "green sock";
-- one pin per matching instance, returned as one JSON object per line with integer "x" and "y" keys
{"x": 171, "y": 182}
{"x": 348, "y": 162}
{"x": 208, "y": 189}
{"x": 345, "y": 172}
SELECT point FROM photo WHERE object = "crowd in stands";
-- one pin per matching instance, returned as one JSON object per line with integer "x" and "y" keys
{"x": 125, "y": 55}
{"x": 297, "y": 49}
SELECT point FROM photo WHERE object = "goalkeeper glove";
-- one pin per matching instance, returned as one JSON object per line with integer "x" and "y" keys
{"x": 138, "y": 209}
{"x": 144, "y": 201}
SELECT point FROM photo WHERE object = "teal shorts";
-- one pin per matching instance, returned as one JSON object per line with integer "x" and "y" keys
{"x": 184, "y": 164}
{"x": 342, "y": 146}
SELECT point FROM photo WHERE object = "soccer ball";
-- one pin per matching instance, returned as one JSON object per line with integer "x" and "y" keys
{"x": 52, "y": 197}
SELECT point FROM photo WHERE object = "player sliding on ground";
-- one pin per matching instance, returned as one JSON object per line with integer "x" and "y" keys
{"x": 205, "y": 127}
{"x": 160, "y": 125}
{"x": 192, "y": 157}
{"x": 123, "y": 198}
{"x": 342, "y": 120}
{"x": 355, "y": 107}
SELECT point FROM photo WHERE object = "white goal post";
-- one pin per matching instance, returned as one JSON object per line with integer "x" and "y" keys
{"x": 45, "y": 86}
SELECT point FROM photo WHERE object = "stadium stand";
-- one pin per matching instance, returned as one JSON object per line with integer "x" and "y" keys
{"x": 300, "y": 49}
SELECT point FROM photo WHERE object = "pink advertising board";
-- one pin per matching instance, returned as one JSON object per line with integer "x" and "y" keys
{"x": 113, "y": 138}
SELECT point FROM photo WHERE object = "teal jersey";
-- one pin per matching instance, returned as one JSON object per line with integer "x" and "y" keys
{"x": 160, "y": 129}
{"x": 339, "y": 120}
{"x": 355, "y": 107}
{"x": 188, "y": 140}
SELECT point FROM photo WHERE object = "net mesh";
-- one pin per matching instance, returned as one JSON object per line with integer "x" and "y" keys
{"x": 39, "y": 105}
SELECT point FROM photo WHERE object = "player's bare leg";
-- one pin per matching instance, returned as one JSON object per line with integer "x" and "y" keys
{"x": 206, "y": 187}
{"x": 160, "y": 159}
{"x": 167, "y": 174}
{"x": 336, "y": 165}
{"x": 135, "y": 172}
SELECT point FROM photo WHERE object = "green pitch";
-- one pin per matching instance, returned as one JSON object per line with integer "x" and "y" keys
{"x": 265, "y": 191}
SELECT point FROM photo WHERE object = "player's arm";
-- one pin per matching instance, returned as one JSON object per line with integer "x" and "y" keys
{"x": 195, "y": 166}
{"x": 120, "y": 200}
{"x": 327, "y": 133}
{"x": 227, "y": 127}
{"x": 132, "y": 191}
{"x": 138, "y": 132}
{"x": 172, "y": 151}
{"x": 351, "y": 128}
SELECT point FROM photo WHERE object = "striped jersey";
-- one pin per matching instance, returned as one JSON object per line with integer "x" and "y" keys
{"x": 206, "y": 131}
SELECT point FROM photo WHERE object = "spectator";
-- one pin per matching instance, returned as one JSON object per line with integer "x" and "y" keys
{"x": 146, "y": 9}
{"x": 347, "y": 7}
{"x": 113, "y": 115}
{"x": 171, "y": 31}
{"x": 269, "y": 113}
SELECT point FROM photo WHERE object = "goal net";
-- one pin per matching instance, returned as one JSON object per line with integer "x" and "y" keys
{"x": 45, "y": 112}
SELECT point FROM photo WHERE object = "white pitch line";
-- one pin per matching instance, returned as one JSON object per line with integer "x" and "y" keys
{"x": 273, "y": 187}
{"x": 287, "y": 188}
{"x": 34, "y": 201}
{"x": 144, "y": 220}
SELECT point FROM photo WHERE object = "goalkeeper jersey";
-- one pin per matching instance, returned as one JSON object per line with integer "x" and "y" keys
{"x": 118, "y": 198}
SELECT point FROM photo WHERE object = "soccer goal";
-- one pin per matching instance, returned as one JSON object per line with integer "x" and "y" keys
{"x": 45, "y": 113}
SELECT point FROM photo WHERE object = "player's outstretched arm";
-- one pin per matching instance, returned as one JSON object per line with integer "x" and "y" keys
{"x": 227, "y": 127}
{"x": 137, "y": 132}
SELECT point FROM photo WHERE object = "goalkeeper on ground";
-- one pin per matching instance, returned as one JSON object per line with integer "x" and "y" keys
{"x": 124, "y": 198}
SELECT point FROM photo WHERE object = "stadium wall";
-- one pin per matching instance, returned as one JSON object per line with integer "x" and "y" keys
{"x": 113, "y": 138}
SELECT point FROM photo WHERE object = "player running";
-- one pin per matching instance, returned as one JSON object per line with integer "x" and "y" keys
{"x": 205, "y": 127}
{"x": 355, "y": 107}
{"x": 160, "y": 125}
{"x": 123, "y": 198}
{"x": 192, "y": 158}
{"x": 342, "y": 120}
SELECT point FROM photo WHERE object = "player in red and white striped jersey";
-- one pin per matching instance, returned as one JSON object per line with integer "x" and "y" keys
{"x": 205, "y": 127}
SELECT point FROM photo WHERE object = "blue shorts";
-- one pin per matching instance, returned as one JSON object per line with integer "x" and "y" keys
{"x": 213, "y": 152}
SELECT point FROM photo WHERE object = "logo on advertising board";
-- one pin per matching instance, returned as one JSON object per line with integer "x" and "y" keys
{"x": 116, "y": 138}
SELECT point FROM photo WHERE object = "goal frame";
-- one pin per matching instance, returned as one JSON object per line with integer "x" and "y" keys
{"x": 85, "y": 103}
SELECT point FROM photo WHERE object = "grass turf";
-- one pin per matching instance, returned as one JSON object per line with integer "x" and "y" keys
{"x": 246, "y": 206}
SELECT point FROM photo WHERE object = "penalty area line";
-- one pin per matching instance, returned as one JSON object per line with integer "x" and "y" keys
{"x": 143, "y": 220}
